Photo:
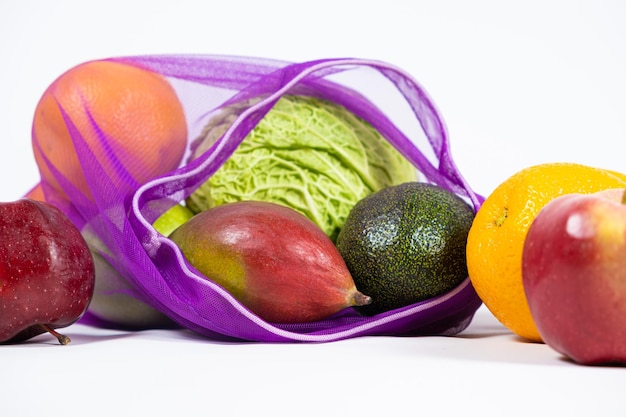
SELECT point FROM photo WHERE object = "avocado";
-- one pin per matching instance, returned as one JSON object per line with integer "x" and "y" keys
{"x": 406, "y": 243}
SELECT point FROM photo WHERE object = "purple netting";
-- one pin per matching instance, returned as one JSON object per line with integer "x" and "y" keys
{"x": 122, "y": 213}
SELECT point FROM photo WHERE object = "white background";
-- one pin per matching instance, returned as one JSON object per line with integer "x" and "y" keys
{"x": 517, "y": 84}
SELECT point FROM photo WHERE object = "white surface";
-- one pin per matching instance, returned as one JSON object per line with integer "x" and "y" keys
{"x": 483, "y": 371}
{"x": 517, "y": 85}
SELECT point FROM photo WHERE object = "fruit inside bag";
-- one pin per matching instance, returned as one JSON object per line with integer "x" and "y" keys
{"x": 117, "y": 196}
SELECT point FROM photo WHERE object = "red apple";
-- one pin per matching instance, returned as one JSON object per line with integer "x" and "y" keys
{"x": 47, "y": 272}
{"x": 574, "y": 276}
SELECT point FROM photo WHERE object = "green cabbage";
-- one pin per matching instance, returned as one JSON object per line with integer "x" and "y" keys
{"x": 308, "y": 154}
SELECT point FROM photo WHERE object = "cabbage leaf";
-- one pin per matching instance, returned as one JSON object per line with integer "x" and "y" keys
{"x": 306, "y": 153}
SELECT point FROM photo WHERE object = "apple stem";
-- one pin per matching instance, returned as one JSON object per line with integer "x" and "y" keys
{"x": 624, "y": 197}
{"x": 64, "y": 340}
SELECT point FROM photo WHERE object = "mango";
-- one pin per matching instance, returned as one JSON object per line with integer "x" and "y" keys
{"x": 274, "y": 260}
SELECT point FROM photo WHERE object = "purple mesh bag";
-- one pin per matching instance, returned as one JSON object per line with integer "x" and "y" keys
{"x": 122, "y": 216}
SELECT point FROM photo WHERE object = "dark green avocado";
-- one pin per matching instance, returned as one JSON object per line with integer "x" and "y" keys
{"x": 405, "y": 244}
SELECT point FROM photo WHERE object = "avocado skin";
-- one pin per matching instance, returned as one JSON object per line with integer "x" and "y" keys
{"x": 405, "y": 244}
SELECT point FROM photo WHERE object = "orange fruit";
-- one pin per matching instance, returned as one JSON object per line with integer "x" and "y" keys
{"x": 126, "y": 115}
{"x": 36, "y": 193}
{"x": 496, "y": 238}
